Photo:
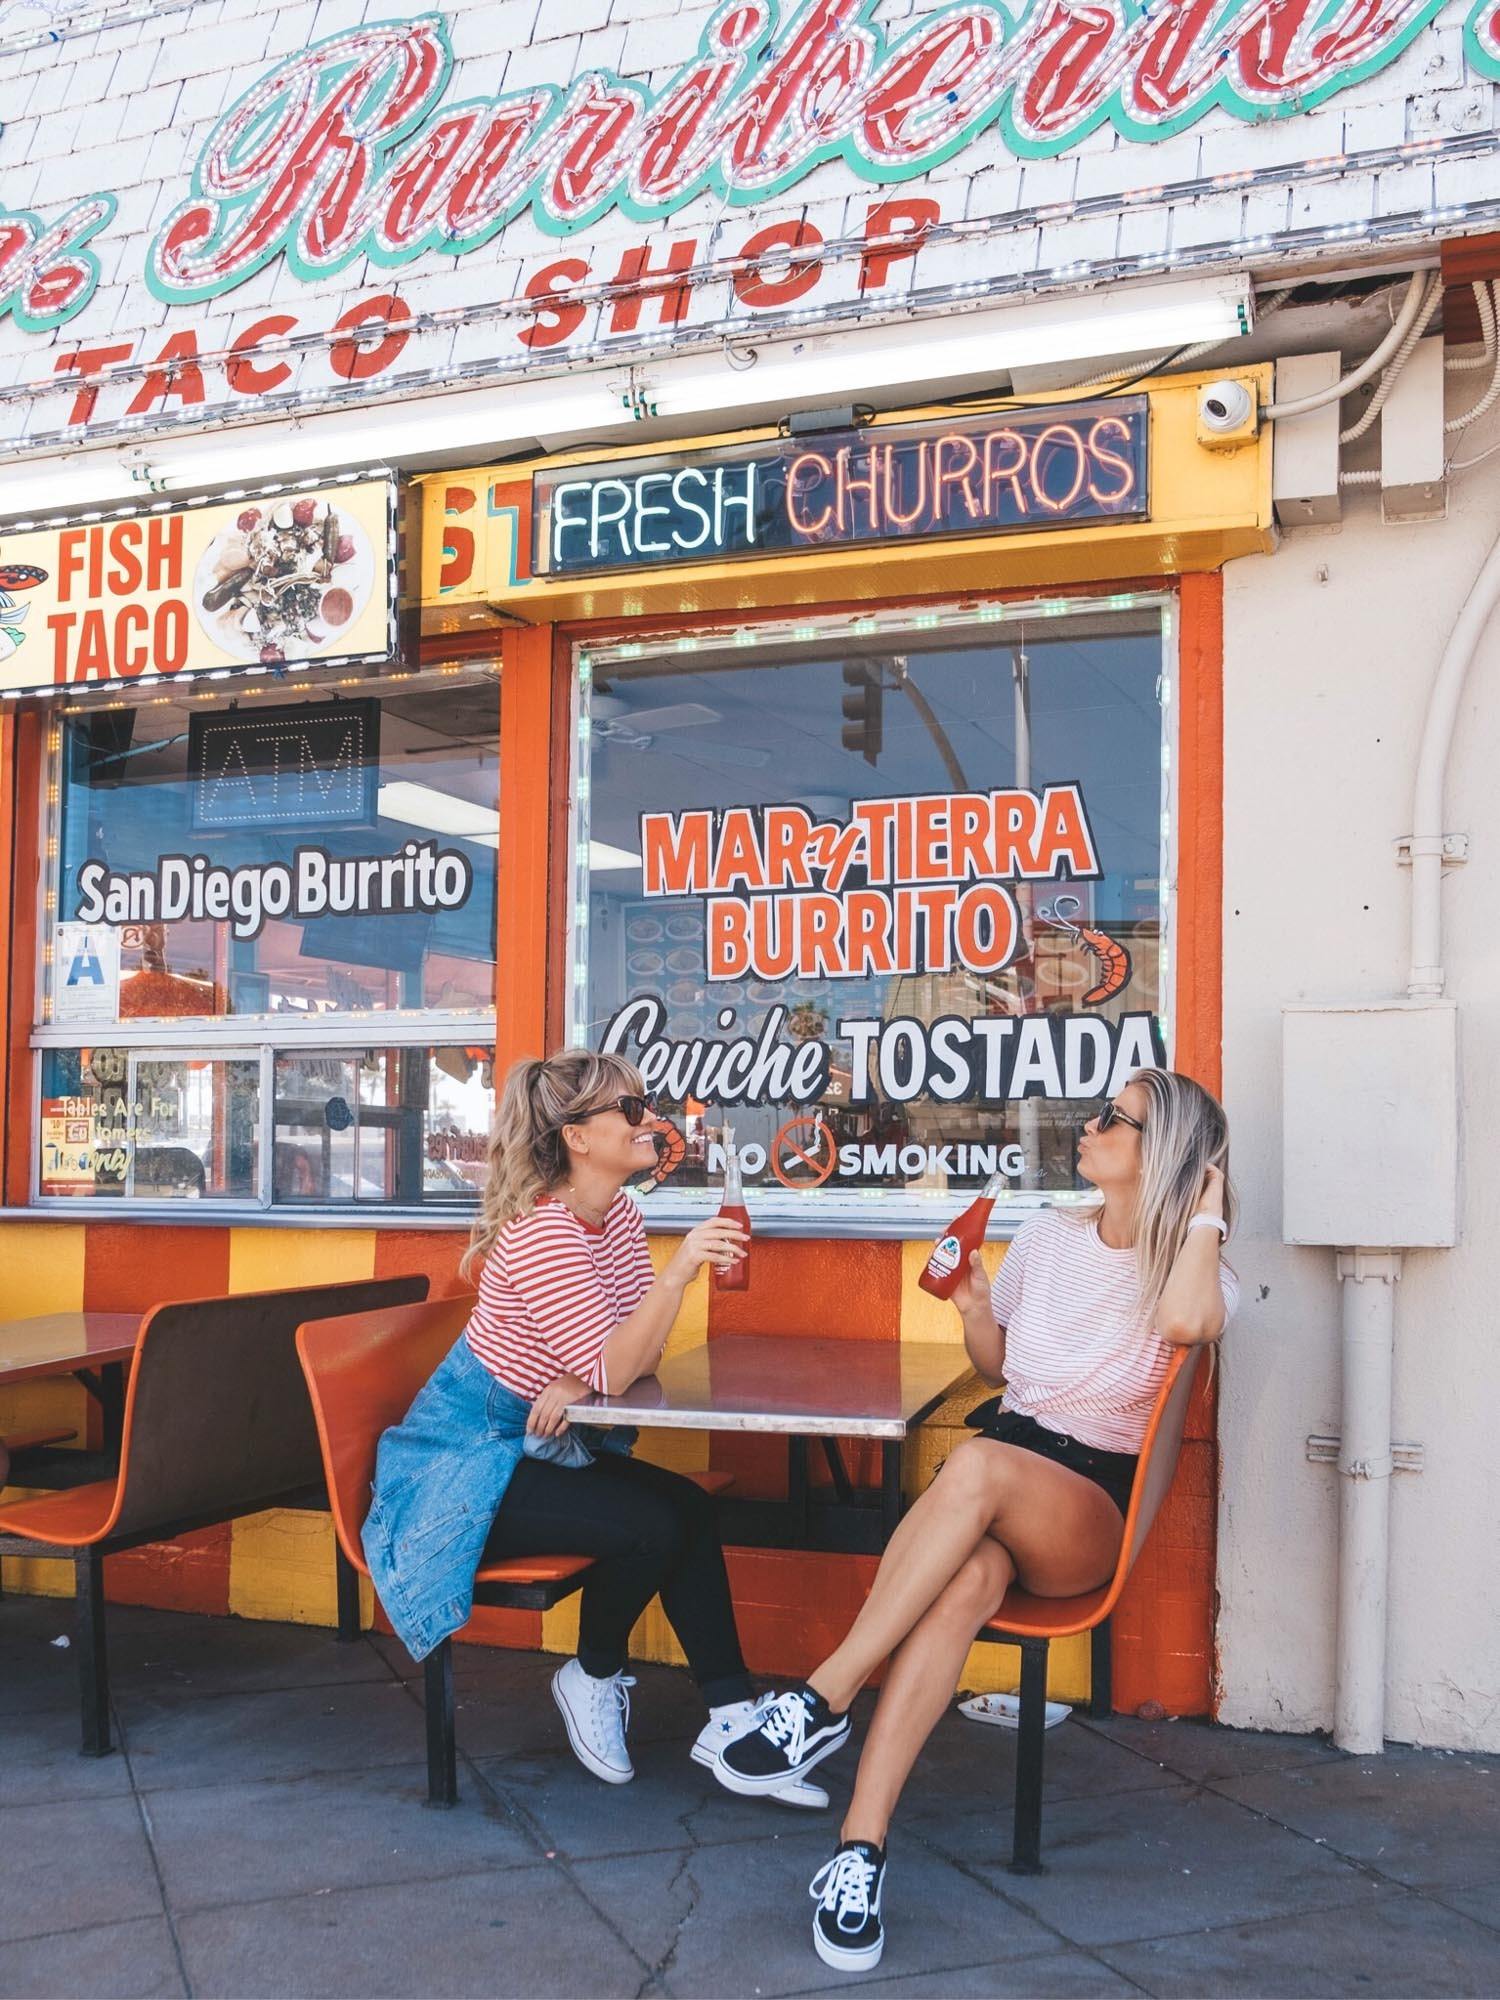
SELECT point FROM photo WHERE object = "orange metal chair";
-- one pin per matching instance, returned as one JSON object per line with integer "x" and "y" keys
{"x": 216, "y": 1426}
{"x": 1033, "y": 1622}
{"x": 363, "y": 1372}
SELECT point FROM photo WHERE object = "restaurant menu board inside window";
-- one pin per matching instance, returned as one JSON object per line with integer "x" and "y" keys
{"x": 886, "y": 895}
{"x": 311, "y": 885}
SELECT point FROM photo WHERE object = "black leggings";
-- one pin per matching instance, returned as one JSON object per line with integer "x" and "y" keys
{"x": 653, "y": 1532}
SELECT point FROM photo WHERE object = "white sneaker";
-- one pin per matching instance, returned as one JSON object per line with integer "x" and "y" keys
{"x": 595, "y": 1714}
{"x": 728, "y": 1728}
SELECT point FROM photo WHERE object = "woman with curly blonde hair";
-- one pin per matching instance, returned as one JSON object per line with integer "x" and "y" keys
{"x": 485, "y": 1465}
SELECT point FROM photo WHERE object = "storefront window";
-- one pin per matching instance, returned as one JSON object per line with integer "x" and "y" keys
{"x": 887, "y": 895}
{"x": 239, "y": 892}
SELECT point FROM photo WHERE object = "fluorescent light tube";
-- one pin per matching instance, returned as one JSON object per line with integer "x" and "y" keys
{"x": 1147, "y": 319}
{"x": 438, "y": 812}
{"x": 433, "y": 811}
{"x": 602, "y": 857}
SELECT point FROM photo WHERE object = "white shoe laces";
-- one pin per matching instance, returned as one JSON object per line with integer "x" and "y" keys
{"x": 609, "y": 1706}
{"x": 785, "y": 1725}
{"x": 843, "y": 1886}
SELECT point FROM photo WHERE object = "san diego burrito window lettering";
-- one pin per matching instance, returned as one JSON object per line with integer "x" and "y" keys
{"x": 273, "y": 872}
{"x": 276, "y": 858}
{"x": 887, "y": 895}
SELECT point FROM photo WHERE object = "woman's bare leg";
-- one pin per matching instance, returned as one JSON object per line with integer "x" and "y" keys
{"x": 934, "y": 1541}
{"x": 918, "y": 1686}
{"x": 1053, "y": 1529}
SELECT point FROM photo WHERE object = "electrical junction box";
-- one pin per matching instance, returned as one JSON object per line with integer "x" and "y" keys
{"x": 1370, "y": 1125}
{"x": 1305, "y": 450}
{"x": 1413, "y": 484}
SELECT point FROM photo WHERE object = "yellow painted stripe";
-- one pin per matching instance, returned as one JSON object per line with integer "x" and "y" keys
{"x": 41, "y": 1268}
{"x": 264, "y": 1260}
{"x": 691, "y": 1327}
{"x": 281, "y": 1567}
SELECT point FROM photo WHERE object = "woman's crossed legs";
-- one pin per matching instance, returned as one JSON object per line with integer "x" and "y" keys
{"x": 993, "y": 1515}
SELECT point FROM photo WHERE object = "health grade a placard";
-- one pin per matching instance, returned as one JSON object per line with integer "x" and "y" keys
{"x": 256, "y": 582}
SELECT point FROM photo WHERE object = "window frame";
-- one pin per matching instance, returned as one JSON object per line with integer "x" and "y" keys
{"x": 261, "y": 1038}
{"x": 883, "y": 1213}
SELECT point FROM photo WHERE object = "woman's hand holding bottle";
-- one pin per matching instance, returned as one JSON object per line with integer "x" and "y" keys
{"x": 719, "y": 1241}
{"x": 972, "y": 1292}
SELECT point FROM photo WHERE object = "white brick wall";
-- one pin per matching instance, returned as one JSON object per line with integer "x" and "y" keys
{"x": 129, "y": 108}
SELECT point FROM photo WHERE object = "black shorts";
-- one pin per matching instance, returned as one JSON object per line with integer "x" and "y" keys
{"x": 1114, "y": 1471}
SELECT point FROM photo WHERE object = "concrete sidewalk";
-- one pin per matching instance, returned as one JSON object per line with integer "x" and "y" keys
{"x": 262, "y": 1832}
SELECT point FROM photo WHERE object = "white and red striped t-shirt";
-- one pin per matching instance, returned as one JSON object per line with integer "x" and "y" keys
{"x": 554, "y": 1289}
{"x": 1077, "y": 1357}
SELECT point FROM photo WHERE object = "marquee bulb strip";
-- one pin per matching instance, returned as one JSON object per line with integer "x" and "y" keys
{"x": 725, "y": 269}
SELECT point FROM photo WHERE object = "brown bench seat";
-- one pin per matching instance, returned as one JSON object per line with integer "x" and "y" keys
{"x": 217, "y": 1425}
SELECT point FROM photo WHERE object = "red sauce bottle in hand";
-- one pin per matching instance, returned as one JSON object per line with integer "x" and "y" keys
{"x": 950, "y": 1254}
{"x": 737, "y": 1277}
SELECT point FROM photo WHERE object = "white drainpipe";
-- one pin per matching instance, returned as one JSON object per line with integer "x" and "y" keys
{"x": 1368, "y": 1277}
{"x": 1368, "y": 1301}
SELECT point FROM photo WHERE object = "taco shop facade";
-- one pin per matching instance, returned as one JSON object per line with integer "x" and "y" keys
{"x": 707, "y": 536}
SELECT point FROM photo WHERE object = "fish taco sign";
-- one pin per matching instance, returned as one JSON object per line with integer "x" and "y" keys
{"x": 351, "y": 149}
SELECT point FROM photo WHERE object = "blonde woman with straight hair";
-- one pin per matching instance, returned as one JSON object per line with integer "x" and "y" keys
{"x": 485, "y": 1465}
{"x": 1080, "y": 1324}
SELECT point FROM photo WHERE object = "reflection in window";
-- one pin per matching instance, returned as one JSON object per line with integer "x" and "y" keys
{"x": 127, "y": 801}
{"x": 830, "y": 715}
{"x": 402, "y": 1126}
{"x": 157, "y": 1126}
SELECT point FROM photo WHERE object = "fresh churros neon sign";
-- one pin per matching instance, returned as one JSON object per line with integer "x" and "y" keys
{"x": 1085, "y": 462}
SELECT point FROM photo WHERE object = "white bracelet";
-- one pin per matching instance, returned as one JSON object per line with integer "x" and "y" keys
{"x": 1210, "y": 1222}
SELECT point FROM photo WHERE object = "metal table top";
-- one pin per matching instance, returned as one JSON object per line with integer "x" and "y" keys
{"x": 58, "y": 1343}
{"x": 783, "y": 1384}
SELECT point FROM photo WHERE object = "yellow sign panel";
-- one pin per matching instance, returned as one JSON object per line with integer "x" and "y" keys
{"x": 293, "y": 577}
{"x": 1206, "y": 506}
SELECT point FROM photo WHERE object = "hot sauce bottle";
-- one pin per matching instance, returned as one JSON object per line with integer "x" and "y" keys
{"x": 950, "y": 1254}
{"x": 737, "y": 1277}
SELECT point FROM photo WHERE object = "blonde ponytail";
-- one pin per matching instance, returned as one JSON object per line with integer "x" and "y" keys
{"x": 527, "y": 1154}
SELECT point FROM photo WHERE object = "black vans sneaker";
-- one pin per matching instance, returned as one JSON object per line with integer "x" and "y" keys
{"x": 797, "y": 1730}
{"x": 847, "y": 1933}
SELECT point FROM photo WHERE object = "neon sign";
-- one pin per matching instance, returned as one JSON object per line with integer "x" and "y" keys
{"x": 343, "y": 151}
{"x": 347, "y": 150}
{"x": 1078, "y": 462}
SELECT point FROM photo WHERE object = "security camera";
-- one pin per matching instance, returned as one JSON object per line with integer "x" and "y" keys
{"x": 1224, "y": 406}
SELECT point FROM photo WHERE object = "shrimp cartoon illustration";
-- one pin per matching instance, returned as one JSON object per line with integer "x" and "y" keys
{"x": 1113, "y": 959}
{"x": 13, "y": 577}
{"x": 671, "y": 1151}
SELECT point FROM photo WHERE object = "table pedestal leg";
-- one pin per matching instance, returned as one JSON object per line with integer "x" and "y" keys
{"x": 796, "y": 1489}
{"x": 890, "y": 1487}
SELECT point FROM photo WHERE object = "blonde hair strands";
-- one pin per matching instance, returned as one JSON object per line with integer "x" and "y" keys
{"x": 528, "y": 1157}
{"x": 1186, "y": 1134}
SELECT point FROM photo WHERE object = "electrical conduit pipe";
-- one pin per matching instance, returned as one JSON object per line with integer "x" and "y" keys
{"x": 1368, "y": 1277}
{"x": 1425, "y": 979}
{"x": 1411, "y": 305}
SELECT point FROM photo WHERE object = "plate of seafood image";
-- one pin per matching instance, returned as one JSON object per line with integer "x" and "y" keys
{"x": 284, "y": 580}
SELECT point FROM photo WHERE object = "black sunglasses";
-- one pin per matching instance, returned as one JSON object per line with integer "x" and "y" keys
{"x": 1111, "y": 1114}
{"x": 633, "y": 1107}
